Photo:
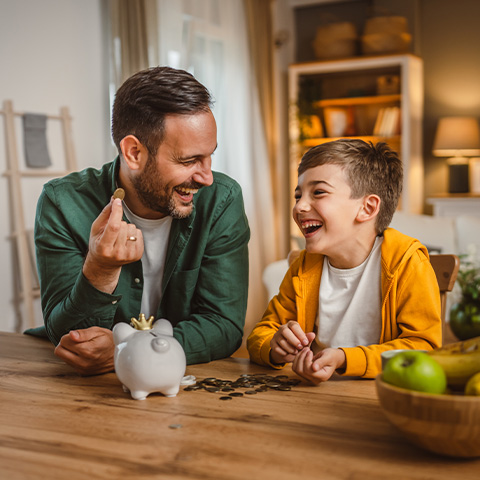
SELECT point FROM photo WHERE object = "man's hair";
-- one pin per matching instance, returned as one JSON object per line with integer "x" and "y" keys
{"x": 144, "y": 99}
{"x": 369, "y": 169}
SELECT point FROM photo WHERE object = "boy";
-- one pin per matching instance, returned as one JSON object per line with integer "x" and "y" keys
{"x": 359, "y": 288}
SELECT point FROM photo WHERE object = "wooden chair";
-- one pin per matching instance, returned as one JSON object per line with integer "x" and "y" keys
{"x": 446, "y": 269}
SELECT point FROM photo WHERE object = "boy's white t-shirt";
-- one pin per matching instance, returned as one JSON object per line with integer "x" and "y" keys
{"x": 155, "y": 240}
{"x": 350, "y": 303}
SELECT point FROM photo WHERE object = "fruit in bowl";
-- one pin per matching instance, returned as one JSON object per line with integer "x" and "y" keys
{"x": 448, "y": 423}
{"x": 473, "y": 385}
{"x": 444, "y": 424}
{"x": 415, "y": 370}
{"x": 460, "y": 361}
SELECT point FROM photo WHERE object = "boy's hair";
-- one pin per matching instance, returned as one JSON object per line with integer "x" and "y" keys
{"x": 369, "y": 169}
{"x": 144, "y": 99}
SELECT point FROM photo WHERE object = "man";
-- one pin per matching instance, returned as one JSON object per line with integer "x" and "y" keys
{"x": 175, "y": 247}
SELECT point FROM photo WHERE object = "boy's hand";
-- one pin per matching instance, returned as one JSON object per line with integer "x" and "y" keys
{"x": 318, "y": 368}
{"x": 288, "y": 341}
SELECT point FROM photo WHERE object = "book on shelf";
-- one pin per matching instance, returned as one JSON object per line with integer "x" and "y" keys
{"x": 378, "y": 122}
{"x": 387, "y": 123}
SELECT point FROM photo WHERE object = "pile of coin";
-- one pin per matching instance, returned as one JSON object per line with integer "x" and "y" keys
{"x": 250, "y": 383}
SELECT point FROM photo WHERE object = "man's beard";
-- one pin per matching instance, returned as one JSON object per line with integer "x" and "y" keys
{"x": 156, "y": 196}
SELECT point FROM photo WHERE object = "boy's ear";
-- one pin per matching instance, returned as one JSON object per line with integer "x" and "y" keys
{"x": 134, "y": 153}
{"x": 369, "y": 209}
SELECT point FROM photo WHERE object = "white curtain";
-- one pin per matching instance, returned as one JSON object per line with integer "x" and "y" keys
{"x": 209, "y": 39}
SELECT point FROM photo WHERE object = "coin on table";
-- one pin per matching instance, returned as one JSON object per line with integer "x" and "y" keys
{"x": 273, "y": 384}
{"x": 212, "y": 389}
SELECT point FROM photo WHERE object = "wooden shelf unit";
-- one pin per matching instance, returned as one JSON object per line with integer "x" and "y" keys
{"x": 351, "y": 101}
{"x": 352, "y": 85}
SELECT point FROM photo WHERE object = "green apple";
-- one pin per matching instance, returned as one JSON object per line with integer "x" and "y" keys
{"x": 415, "y": 370}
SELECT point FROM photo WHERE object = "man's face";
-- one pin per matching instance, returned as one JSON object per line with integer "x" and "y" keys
{"x": 181, "y": 166}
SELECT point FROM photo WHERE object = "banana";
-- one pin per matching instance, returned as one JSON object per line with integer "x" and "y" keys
{"x": 464, "y": 346}
{"x": 460, "y": 361}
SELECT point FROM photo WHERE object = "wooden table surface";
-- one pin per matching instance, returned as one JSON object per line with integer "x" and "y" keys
{"x": 55, "y": 424}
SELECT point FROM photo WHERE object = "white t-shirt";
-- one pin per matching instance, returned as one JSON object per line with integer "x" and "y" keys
{"x": 155, "y": 239}
{"x": 350, "y": 303}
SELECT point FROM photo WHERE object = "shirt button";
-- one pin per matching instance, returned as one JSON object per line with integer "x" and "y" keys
{"x": 114, "y": 302}
{"x": 137, "y": 280}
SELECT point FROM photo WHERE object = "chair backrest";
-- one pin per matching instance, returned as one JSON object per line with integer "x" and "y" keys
{"x": 446, "y": 269}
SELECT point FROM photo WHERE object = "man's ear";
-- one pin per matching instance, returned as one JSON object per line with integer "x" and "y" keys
{"x": 133, "y": 152}
{"x": 370, "y": 208}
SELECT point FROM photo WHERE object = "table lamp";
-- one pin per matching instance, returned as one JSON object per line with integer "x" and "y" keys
{"x": 457, "y": 138}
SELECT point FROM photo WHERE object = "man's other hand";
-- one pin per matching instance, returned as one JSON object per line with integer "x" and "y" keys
{"x": 89, "y": 351}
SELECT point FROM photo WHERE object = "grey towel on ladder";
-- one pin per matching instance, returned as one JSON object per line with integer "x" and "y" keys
{"x": 35, "y": 139}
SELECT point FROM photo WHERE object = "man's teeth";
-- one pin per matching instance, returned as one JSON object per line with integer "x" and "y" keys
{"x": 188, "y": 191}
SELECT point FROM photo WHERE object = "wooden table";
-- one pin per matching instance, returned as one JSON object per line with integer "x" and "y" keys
{"x": 55, "y": 424}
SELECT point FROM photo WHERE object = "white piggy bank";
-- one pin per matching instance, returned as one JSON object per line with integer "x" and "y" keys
{"x": 148, "y": 361}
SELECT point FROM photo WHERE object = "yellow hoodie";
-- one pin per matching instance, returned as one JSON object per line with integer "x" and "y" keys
{"x": 410, "y": 305}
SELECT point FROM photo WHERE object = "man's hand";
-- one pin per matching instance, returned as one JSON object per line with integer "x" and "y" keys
{"x": 89, "y": 351}
{"x": 288, "y": 341}
{"x": 318, "y": 368}
{"x": 112, "y": 243}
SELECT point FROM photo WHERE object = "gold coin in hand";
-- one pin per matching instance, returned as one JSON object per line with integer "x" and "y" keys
{"x": 119, "y": 193}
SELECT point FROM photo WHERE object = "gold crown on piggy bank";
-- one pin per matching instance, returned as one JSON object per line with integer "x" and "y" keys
{"x": 142, "y": 323}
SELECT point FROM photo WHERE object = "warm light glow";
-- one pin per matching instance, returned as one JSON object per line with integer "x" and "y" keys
{"x": 457, "y": 137}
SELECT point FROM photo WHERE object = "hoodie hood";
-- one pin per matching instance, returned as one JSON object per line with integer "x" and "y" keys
{"x": 394, "y": 258}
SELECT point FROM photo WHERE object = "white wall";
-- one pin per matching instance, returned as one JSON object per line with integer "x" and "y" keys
{"x": 52, "y": 54}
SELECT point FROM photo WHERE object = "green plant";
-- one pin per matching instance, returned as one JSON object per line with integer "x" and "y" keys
{"x": 468, "y": 278}
{"x": 465, "y": 312}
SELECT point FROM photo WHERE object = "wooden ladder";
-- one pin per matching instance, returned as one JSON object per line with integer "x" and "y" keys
{"x": 27, "y": 289}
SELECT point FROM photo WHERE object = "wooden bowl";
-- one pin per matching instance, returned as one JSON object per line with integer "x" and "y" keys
{"x": 444, "y": 424}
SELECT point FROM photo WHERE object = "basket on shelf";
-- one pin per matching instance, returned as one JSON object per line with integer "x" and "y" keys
{"x": 335, "y": 40}
{"x": 386, "y": 35}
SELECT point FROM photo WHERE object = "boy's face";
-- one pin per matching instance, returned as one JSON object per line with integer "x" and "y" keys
{"x": 325, "y": 213}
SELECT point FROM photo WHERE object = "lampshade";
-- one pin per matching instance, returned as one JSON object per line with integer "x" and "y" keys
{"x": 457, "y": 137}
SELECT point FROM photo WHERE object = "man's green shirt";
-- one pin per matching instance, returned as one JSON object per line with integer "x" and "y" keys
{"x": 205, "y": 280}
